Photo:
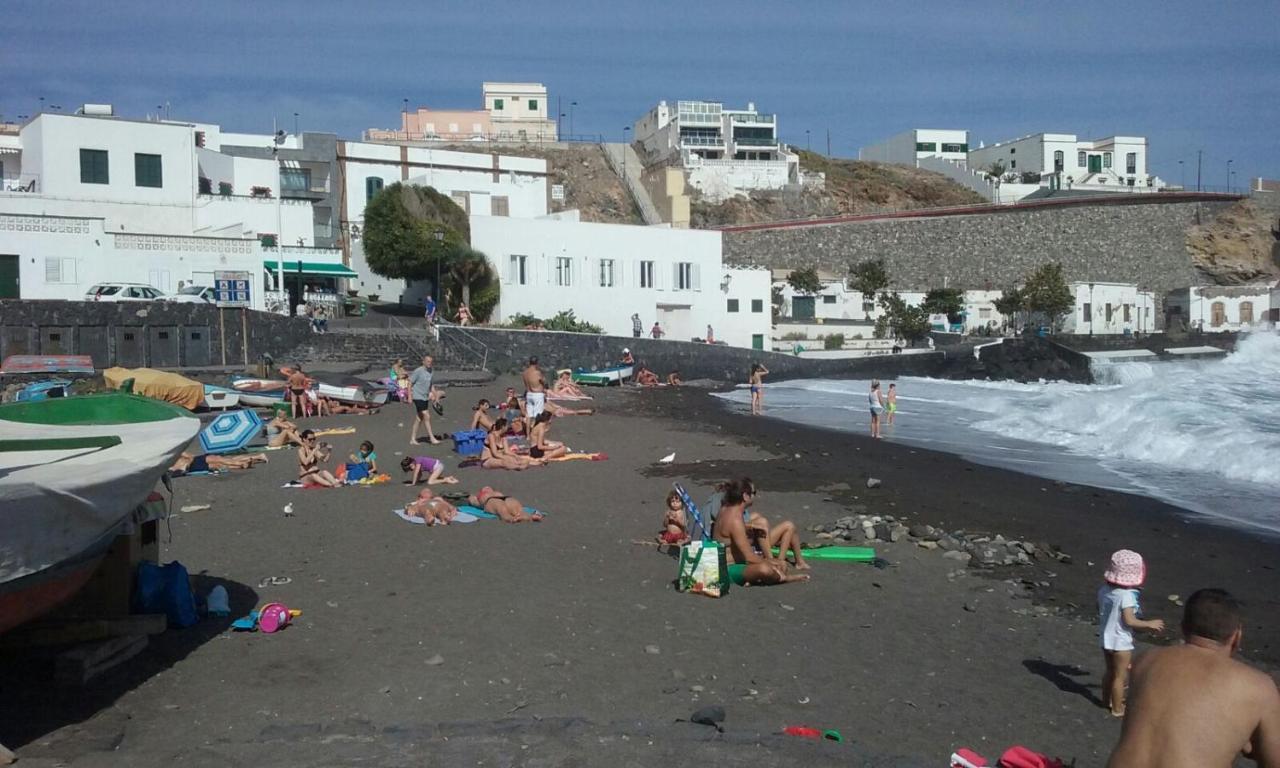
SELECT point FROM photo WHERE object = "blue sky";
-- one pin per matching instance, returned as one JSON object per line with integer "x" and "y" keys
{"x": 1188, "y": 75}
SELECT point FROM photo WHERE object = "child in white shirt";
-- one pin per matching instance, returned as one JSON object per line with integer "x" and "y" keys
{"x": 1117, "y": 618}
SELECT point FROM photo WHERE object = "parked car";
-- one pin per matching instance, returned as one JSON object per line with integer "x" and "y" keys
{"x": 193, "y": 294}
{"x": 122, "y": 292}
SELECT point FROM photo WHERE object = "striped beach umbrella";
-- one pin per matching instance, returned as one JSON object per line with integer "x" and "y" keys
{"x": 231, "y": 431}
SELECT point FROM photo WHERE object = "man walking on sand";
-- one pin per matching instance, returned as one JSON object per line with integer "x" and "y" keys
{"x": 424, "y": 396}
{"x": 1193, "y": 706}
{"x": 535, "y": 395}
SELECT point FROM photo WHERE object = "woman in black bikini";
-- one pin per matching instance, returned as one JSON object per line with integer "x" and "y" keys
{"x": 507, "y": 508}
{"x": 309, "y": 458}
{"x": 190, "y": 464}
{"x": 539, "y": 446}
{"x": 497, "y": 454}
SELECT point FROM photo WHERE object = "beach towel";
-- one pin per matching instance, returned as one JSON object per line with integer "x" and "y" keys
{"x": 480, "y": 513}
{"x": 463, "y": 517}
{"x": 177, "y": 473}
{"x": 582, "y": 457}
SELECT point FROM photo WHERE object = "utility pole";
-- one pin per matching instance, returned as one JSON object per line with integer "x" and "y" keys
{"x": 807, "y": 146}
{"x": 572, "y": 104}
{"x": 559, "y": 114}
{"x": 1199, "y": 157}
{"x": 828, "y": 143}
{"x": 1229, "y": 162}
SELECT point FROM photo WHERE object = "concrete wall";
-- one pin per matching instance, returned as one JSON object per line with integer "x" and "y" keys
{"x": 509, "y": 350}
{"x": 1136, "y": 242}
{"x": 145, "y": 335}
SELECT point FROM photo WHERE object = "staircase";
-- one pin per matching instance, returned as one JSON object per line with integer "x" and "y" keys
{"x": 615, "y": 154}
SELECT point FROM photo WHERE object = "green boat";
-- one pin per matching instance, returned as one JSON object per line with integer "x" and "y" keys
{"x": 604, "y": 376}
{"x": 71, "y": 472}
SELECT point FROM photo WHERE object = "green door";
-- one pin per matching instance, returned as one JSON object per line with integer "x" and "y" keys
{"x": 757, "y": 341}
{"x": 1095, "y": 163}
{"x": 802, "y": 308}
{"x": 8, "y": 277}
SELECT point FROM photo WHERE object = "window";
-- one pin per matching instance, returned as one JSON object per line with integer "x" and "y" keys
{"x": 733, "y": 305}
{"x": 1058, "y": 161}
{"x": 1106, "y": 159}
{"x": 372, "y": 186}
{"x": 646, "y": 275}
{"x": 685, "y": 276}
{"x": 463, "y": 199}
{"x": 57, "y": 270}
{"x": 146, "y": 170}
{"x": 1013, "y": 164}
{"x": 926, "y": 146}
{"x": 497, "y": 104}
{"x": 533, "y": 105}
{"x": 984, "y": 313}
{"x": 93, "y": 166}
{"x": 1088, "y": 312}
{"x": 829, "y": 299}
{"x": 564, "y": 271}
{"x": 297, "y": 180}
{"x": 519, "y": 270}
{"x": 1219, "y": 317}
{"x": 955, "y": 147}
{"x": 1128, "y": 312}
{"x": 500, "y": 205}
{"x": 1013, "y": 150}
{"x": 1107, "y": 310}
{"x": 1131, "y": 162}
{"x": 606, "y": 273}
{"x": 757, "y": 305}
{"x": 1082, "y": 158}
{"x": 1246, "y": 312}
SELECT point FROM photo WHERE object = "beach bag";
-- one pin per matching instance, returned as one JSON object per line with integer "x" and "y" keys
{"x": 354, "y": 472}
{"x": 1021, "y": 757}
{"x": 165, "y": 589}
{"x": 703, "y": 569}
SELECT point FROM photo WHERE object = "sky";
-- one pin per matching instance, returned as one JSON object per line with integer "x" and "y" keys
{"x": 1193, "y": 77}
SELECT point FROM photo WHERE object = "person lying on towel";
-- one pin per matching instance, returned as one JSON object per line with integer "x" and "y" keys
{"x": 430, "y": 507}
{"x": 191, "y": 464}
{"x": 508, "y": 508}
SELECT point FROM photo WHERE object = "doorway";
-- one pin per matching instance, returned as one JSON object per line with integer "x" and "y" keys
{"x": 1095, "y": 163}
{"x": 9, "y": 277}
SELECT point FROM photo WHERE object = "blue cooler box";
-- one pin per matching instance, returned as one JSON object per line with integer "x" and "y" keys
{"x": 469, "y": 442}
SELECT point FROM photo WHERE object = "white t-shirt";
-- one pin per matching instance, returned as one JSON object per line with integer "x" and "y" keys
{"x": 1111, "y": 604}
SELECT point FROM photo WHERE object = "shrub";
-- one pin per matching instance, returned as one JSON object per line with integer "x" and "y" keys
{"x": 565, "y": 321}
{"x": 834, "y": 341}
{"x": 794, "y": 336}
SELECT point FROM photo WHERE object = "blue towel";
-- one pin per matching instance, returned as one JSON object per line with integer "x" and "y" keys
{"x": 481, "y": 513}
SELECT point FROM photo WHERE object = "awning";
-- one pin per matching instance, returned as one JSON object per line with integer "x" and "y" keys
{"x": 310, "y": 268}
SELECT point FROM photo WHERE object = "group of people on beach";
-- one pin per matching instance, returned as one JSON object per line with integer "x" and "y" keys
{"x": 305, "y": 400}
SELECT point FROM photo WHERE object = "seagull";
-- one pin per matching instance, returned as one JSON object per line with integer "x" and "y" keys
{"x": 288, "y": 509}
{"x": 667, "y": 459}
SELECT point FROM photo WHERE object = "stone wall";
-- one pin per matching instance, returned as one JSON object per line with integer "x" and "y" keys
{"x": 1142, "y": 242}
{"x": 509, "y": 350}
{"x": 145, "y": 334}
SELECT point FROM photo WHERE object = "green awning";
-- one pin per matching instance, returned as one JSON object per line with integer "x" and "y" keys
{"x": 310, "y": 268}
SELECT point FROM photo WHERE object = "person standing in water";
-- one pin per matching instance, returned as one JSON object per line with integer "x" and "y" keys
{"x": 757, "y": 388}
{"x": 891, "y": 403}
{"x": 876, "y": 401}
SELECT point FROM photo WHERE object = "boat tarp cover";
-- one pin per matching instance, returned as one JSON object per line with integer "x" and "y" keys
{"x": 169, "y": 387}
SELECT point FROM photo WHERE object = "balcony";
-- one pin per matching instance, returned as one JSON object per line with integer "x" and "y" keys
{"x": 702, "y": 141}
{"x": 755, "y": 119}
{"x": 755, "y": 141}
{"x": 26, "y": 182}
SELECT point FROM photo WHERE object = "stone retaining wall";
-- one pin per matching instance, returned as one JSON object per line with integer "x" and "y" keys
{"x": 145, "y": 334}
{"x": 1138, "y": 243}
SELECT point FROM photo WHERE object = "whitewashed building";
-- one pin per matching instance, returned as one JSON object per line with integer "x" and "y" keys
{"x": 1217, "y": 308}
{"x": 513, "y": 112}
{"x": 909, "y": 147}
{"x": 839, "y": 302}
{"x": 89, "y": 198}
{"x": 481, "y": 183}
{"x": 724, "y": 151}
{"x": 1103, "y": 309}
{"x": 607, "y": 272}
{"x": 1062, "y": 161}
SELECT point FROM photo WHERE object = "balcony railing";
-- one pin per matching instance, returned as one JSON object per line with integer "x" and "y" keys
{"x": 26, "y": 182}
{"x": 758, "y": 119}
{"x": 748, "y": 141}
{"x": 701, "y": 141}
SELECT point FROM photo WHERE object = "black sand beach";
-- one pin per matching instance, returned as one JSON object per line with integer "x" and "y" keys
{"x": 563, "y": 642}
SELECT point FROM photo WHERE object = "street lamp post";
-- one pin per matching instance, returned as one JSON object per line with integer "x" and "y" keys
{"x": 295, "y": 124}
{"x": 276, "y": 141}
{"x": 439, "y": 236}
{"x": 1092, "y": 310}
{"x": 572, "y": 104}
{"x": 626, "y": 130}
{"x": 808, "y": 147}
{"x": 1229, "y": 162}
{"x": 1182, "y": 174}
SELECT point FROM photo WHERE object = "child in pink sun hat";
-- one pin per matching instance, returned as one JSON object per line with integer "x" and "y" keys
{"x": 1117, "y": 618}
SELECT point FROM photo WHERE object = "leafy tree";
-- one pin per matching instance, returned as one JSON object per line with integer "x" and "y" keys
{"x": 996, "y": 169}
{"x": 565, "y": 321}
{"x": 945, "y": 301}
{"x": 1046, "y": 293}
{"x": 869, "y": 277}
{"x": 907, "y": 321}
{"x": 805, "y": 281}
{"x": 400, "y": 227}
{"x": 1011, "y": 304}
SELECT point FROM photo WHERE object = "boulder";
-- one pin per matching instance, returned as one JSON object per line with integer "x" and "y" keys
{"x": 873, "y": 482}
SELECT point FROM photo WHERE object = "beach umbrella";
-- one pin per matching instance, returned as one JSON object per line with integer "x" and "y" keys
{"x": 231, "y": 431}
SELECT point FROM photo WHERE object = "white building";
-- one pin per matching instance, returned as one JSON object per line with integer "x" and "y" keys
{"x": 1109, "y": 309}
{"x": 909, "y": 147}
{"x": 1061, "y": 161}
{"x": 607, "y": 272}
{"x": 167, "y": 207}
{"x": 1216, "y": 308}
{"x": 513, "y": 112}
{"x": 723, "y": 151}
{"x": 838, "y": 302}
{"x": 482, "y": 184}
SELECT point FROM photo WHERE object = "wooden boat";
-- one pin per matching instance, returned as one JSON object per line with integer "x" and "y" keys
{"x": 220, "y": 397}
{"x": 259, "y": 393}
{"x": 348, "y": 389}
{"x": 47, "y": 364}
{"x": 71, "y": 471}
{"x": 43, "y": 390}
{"x": 604, "y": 376}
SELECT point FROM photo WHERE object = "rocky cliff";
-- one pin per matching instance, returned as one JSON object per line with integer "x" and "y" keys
{"x": 1240, "y": 244}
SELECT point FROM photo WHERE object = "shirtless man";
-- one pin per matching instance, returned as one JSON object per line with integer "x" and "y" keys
{"x": 1193, "y": 706}
{"x": 535, "y": 392}
{"x": 746, "y": 567}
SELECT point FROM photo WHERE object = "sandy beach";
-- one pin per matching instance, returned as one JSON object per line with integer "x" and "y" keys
{"x": 564, "y": 642}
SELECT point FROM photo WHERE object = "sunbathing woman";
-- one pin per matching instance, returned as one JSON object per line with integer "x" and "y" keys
{"x": 337, "y": 406}
{"x": 566, "y": 388}
{"x": 508, "y": 509}
{"x": 674, "y": 379}
{"x": 498, "y": 455}
{"x": 539, "y": 446}
{"x": 309, "y": 457}
{"x": 190, "y": 464}
{"x": 560, "y": 410}
{"x": 434, "y": 469}
{"x": 481, "y": 418}
{"x": 432, "y": 508}
{"x": 282, "y": 432}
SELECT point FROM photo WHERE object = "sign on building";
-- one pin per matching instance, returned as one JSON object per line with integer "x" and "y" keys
{"x": 557, "y": 193}
{"x": 232, "y": 289}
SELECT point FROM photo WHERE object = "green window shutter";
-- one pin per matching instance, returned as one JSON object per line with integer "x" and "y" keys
{"x": 533, "y": 105}
{"x": 372, "y": 186}
{"x": 147, "y": 170}
{"x": 93, "y": 166}
{"x": 497, "y": 104}
{"x": 926, "y": 146}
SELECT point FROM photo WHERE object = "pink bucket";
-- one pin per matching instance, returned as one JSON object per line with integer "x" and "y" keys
{"x": 273, "y": 617}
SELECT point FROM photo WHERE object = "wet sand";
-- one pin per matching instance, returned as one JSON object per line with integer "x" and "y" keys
{"x": 534, "y": 644}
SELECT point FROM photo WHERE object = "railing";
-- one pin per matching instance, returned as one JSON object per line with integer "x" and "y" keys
{"x": 498, "y": 137}
{"x": 26, "y": 182}
{"x": 701, "y": 141}
{"x": 468, "y": 342}
{"x": 761, "y": 119}
{"x": 748, "y": 141}
{"x": 404, "y": 333}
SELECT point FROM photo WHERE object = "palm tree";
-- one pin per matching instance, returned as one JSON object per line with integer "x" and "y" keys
{"x": 469, "y": 270}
